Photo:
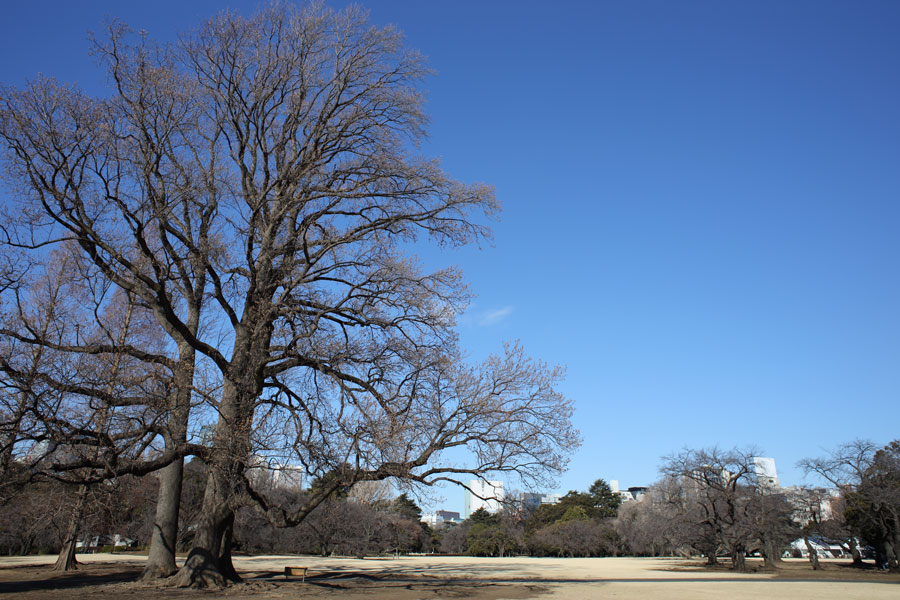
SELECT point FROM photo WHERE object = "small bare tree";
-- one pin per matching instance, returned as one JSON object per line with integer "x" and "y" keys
{"x": 720, "y": 485}
{"x": 844, "y": 468}
{"x": 661, "y": 524}
{"x": 869, "y": 480}
{"x": 75, "y": 412}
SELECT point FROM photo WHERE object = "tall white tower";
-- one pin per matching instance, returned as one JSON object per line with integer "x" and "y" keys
{"x": 490, "y": 491}
{"x": 766, "y": 474}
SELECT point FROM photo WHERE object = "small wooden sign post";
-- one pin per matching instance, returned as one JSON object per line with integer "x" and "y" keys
{"x": 295, "y": 572}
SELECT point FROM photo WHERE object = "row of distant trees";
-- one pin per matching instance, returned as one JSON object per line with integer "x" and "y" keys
{"x": 363, "y": 520}
{"x": 708, "y": 503}
{"x": 580, "y": 524}
{"x": 359, "y": 520}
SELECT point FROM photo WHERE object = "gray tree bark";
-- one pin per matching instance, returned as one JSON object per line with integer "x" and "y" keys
{"x": 161, "y": 559}
{"x": 738, "y": 559}
{"x": 66, "y": 560}
{"x": 854, "y": 552}
{"x": 209, "y": 562}
{"x": 813, "y": 554}
{"x": 772, "y": 556}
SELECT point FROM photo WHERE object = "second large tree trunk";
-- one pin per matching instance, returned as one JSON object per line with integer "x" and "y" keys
{"x": 209, "y": 562}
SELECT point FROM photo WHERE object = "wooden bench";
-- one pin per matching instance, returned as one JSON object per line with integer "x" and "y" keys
{"x": 296, "y": 572}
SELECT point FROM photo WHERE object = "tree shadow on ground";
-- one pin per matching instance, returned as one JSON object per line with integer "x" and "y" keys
{"x": 44, "y": 579}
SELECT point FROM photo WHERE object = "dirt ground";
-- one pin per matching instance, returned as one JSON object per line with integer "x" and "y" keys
{"x": 428, "y": 577}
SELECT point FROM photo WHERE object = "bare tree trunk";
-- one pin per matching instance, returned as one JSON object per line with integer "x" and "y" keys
{"x": 773, "y": 557}
{"x": 24, "y": 547}
{"x": 854, "y": 552}
{"x": 890, "y": 556}
{"x": 66, "y": 560}
{"x": 209, "y": 562}
{"x": 738, "y": 560}
{"x": 163, "y": 545}
{"x": 226, "y": 565}
{"x": 893, "y": 544}
{"x": 711, "y": 559}
{"x": 161, "y": 560}
{"x": 813, "y": 554}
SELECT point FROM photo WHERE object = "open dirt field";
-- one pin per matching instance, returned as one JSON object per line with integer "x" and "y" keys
{"x": 412, "y": 578}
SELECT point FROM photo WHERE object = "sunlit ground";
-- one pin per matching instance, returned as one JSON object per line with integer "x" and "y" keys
{"x": 462, "y": 577}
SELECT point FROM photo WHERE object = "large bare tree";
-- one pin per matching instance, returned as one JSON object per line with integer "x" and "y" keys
{"x": 720, "y": 486}
{"x": 257, "y": 188}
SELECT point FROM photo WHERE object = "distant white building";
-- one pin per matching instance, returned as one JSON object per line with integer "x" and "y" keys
{"x": 266, "y": 474}
{"x": 287, "y": 477}
{"x": 531, "y": 500}
{"x": 483, "y": 494}
{"x": 440, "y": 518}
{"x": 823, "y": 547}
{"x": 629, "y": 495}
{"x": 766, "y": 474}
{"x": 818, "y": 503}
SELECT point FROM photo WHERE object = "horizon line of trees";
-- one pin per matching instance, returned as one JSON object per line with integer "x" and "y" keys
{"x": 708, "y": 504}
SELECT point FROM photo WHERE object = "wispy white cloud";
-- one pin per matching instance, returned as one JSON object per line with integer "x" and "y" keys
{"x": 492, "y": 317}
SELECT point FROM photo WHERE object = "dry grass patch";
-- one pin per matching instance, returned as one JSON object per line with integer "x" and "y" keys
{"x": 118, "y": 580}
{"x": 794, "y": 570}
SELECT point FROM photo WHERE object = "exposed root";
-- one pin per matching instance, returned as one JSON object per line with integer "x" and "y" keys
{"x": 156, "y": 572}
{"x": 200, "y": 571}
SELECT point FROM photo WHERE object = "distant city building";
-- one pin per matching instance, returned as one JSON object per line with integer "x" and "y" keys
{"x": 638, "y": 492}
{"x": 287, "y": 477}
{"x": 440, "y": 518}
{"x": 766, "y": 474}
{"x": 207, "y": 433}
{"x": 820, "y": 503}
{"x": 483, "y": 494}
{"x": 631, "y": 494}
{"x": 41, "y": 450}
{"x": 266, "y": 474}
{"x": 258, "y": 472}
{"x": 531, "y": 500}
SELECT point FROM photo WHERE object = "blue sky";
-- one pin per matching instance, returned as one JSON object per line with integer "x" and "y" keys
{"x": 701, "y": 205}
